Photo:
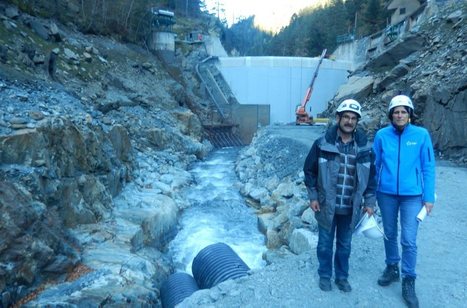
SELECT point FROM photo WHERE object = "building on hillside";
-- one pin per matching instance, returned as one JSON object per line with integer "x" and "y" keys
{"x": 194, "y": 37}
{"x": 401, "y": 9}
{"x": 162, "y": 37}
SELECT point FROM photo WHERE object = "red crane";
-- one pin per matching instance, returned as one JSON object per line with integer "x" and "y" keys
{"x": 302, "y": 116}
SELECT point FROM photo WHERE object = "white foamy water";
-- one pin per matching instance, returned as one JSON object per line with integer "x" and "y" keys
{"x": 218, "y": 214}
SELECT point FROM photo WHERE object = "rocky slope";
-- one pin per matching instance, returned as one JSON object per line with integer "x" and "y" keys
{"x": 81, "y": 117}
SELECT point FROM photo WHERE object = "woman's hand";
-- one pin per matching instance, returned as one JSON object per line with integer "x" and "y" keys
{"x": 429, "y": 207}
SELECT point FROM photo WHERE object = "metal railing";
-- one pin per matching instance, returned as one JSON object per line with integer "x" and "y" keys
{"x": 212, "y": 87}
{"x": 345, "y": 38}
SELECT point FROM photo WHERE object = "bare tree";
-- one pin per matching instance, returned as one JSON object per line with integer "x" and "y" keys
{"x": 128, "y": 15}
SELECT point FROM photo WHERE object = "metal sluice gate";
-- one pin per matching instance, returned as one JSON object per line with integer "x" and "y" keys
{"x": 223, "y": 136}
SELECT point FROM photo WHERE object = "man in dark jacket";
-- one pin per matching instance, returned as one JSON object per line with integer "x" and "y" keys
{"x": 340, "y": 180}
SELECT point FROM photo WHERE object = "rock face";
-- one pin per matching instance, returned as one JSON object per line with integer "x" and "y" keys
{"x": 33, "y": 240}
{"x": 65, "y": 166}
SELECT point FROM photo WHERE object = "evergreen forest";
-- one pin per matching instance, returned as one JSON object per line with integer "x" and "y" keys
{"x": 310, "y": 31}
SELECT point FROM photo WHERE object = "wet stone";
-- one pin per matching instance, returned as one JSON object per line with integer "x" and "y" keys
{"x": 18, "y": 126}
{"x": 18, "y": 121}
{"x": 39, "y": 163}
{"x": 36, "y": 115}
{"x": 107, "y": 120}
{"x": 22, "y": 97}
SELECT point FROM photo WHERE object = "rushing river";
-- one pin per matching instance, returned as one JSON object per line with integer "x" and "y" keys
{"x": 218, "y": 214}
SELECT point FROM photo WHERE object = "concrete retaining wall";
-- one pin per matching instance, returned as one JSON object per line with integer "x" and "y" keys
{"x": 249, "y": 118}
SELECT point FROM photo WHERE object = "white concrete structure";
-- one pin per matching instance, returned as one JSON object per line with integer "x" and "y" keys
{"x": 281, "y": 82}
{"x": 214, "y": 46}
{"x": 163, "y": 41}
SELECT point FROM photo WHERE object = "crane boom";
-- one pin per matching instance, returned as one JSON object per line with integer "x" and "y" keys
{"x": 302, "y": 117}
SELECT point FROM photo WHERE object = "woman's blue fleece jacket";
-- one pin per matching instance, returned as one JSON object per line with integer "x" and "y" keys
{"x": 405, "y": 162}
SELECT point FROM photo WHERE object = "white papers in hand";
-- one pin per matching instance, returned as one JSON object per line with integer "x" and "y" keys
{"x": 422, "y": 214}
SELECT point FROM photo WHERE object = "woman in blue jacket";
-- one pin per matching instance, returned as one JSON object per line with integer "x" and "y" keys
{"x": 405, "y": 170}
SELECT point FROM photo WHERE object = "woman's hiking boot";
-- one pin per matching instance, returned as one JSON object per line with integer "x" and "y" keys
{"x": 391, "y": 274}
{"x": 408, "y": 292}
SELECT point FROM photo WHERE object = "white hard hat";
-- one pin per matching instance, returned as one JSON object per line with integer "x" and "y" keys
{"x": 369, "y": 227}
{"x": 374, "y": 232}
{"x": 350, "y": 105}
{"x": 400, "y": 100}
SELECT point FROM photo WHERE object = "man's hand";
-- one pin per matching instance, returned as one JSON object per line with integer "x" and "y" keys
{"x": 314, "y": 205}
{"x": 429, "y": 207}
{"x": 369, "y": 210}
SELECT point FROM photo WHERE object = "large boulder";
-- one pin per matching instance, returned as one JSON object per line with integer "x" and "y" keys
{"x": 302, "y": 240}
{"x": 357, "y": 88}
{"x": 400, "y": 50}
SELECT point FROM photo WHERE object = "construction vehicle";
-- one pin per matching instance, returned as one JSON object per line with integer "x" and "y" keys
{"x": 302, "y": 116}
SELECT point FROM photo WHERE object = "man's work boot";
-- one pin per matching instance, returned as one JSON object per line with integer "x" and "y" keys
{"x": 391, "y": 274}
{"x": 343, "y": 285}
{"x": 325, "y": 284}
{"x": 408, "y": 292}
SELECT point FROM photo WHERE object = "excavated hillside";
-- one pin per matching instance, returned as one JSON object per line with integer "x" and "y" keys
{"x": 429, "y": 64}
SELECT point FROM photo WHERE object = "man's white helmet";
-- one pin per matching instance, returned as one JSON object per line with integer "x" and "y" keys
{"x": 350, "y": 105}
{"x": 369, "y": 227}
{"x": 400, "y": 100}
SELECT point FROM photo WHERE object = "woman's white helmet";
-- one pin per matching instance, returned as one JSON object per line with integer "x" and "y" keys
{"x": 400, "y": 100}
{"x": 350, "y": 105}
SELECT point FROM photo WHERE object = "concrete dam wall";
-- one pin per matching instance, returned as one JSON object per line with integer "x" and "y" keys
{"x": 281, "y": 82}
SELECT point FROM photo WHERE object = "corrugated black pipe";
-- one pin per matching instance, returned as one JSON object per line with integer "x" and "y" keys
{"x": 217, "y": 263}
{"x": 176, "y": 288}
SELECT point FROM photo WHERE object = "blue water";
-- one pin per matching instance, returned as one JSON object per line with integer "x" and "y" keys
{"x": 218, "y": 214}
